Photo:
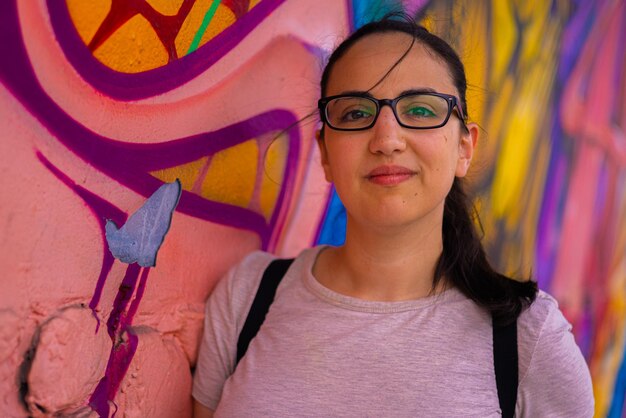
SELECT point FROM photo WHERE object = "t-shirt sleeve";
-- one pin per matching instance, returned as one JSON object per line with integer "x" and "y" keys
{"x": 225, "y": 312}
{"x": 557, "y": 382}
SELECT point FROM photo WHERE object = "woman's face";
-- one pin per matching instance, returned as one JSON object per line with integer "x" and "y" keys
{"x": 389, "y": 175}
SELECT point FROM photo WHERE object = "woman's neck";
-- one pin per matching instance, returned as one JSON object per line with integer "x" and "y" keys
{"x": 391, "y": 265}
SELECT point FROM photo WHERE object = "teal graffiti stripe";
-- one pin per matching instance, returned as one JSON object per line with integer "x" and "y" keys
{"x": 205, "y": 24}
{"x": 365, "y": 11}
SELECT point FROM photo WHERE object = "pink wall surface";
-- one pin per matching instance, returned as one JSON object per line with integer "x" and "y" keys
{"x": 103, "y": 101}
{"x": 82, "y": 143}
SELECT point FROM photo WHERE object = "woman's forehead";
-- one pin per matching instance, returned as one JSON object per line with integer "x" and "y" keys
{"x": 366, "y": 66}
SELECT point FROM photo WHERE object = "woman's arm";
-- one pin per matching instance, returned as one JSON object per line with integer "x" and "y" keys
{"x": 201, "y": 411}
{"x": 226, "y": 307}
{"x": 557, "y": 382}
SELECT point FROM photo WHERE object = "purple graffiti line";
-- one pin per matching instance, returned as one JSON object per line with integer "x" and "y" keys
{"x": 126, "y": 86}
{"x": 102, "y": 210}
{"x": 124, "y": 294}
{"x": 130, "y": 164}
{"x": 123, "y": 342}
{"x": 119, "y": 361}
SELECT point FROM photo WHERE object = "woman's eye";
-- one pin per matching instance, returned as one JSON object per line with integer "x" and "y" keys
{"x": 356, "y": 114}
{"x": 420, "y": 111}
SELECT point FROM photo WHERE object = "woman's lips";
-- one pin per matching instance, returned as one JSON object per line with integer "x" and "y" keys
{"x": 389, "y": 175}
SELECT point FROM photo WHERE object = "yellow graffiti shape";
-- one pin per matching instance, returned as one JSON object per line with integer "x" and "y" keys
{"x": 133, "y": 48}
{"x": 188, "y": 174}
{"x": 191, "y": 25}
{"x": 87, "y": 16}
{"x": 535, "y": 21}
{"x": 166, "y": 7}
{"x": 515, "y": 156}
{"x": 273, "y": 171}
{"x": 231, "y": 176}
{"x": 504, "y": 39}
{"x": 530, "y": 113}
{"x": 497, "y": 117}
{"x": 243, "y": 175}
{"x": 474, "y": 42}
{"x": 222, "y": 19}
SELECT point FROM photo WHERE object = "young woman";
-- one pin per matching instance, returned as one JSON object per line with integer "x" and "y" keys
{"x": 399, "y": 320}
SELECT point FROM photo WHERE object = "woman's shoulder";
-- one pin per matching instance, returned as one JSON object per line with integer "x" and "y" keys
{"x": 260, "y": 259}
{"x": 553, "y": 373}
{"x": 541, "y": 318}
{"x": 543, "y": 315}
{"x": 252, "y": 263}
{"x": 243, "y": 278}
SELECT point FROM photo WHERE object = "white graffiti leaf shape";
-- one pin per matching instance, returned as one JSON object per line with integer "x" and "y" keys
{"x": 139, "y": 240}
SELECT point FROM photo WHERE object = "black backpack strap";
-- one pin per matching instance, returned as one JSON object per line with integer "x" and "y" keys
{"x": 505, "y": 364}
{"x": 261, "y": 304}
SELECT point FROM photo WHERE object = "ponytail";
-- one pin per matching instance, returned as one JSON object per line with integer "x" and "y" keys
{"x": 464, "y": 264}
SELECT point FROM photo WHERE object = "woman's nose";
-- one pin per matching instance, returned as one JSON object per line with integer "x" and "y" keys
{"x": 387, "y": 134}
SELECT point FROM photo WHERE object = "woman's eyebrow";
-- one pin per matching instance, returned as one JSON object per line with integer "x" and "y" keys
{"x": 354, "y": 93}
{"x": 418, "y": 91}
{"x": 362, "y": 93}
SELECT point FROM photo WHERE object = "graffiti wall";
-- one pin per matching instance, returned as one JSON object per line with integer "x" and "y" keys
{"x": 104, "y": 101}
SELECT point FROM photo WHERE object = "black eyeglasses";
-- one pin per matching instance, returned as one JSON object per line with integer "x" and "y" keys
{"x": 357, "y": 112}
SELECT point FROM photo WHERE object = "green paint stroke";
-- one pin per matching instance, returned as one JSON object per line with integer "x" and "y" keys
{"x": 205, "y": 24}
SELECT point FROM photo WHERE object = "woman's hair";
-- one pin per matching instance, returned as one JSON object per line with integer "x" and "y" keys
{"x": 463, "y": 261}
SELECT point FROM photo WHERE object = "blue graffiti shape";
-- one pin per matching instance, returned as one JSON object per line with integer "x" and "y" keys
{"x": 141, "y": 236}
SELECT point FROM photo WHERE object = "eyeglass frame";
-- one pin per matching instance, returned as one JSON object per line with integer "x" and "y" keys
{"x": 453, "y": 101}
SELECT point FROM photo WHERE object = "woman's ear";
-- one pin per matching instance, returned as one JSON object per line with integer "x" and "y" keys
{"x": 319, "y": 136}
{"x": 467, "y": 143}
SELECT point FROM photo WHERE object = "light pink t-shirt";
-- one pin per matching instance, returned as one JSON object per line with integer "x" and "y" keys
{"x": 320, "y": 353}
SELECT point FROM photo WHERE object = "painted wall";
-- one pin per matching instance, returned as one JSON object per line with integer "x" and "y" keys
{"x": 102, "y": 101}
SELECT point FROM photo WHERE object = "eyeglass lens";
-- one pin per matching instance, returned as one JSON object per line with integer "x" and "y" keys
{"x": 416, "y": 110}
